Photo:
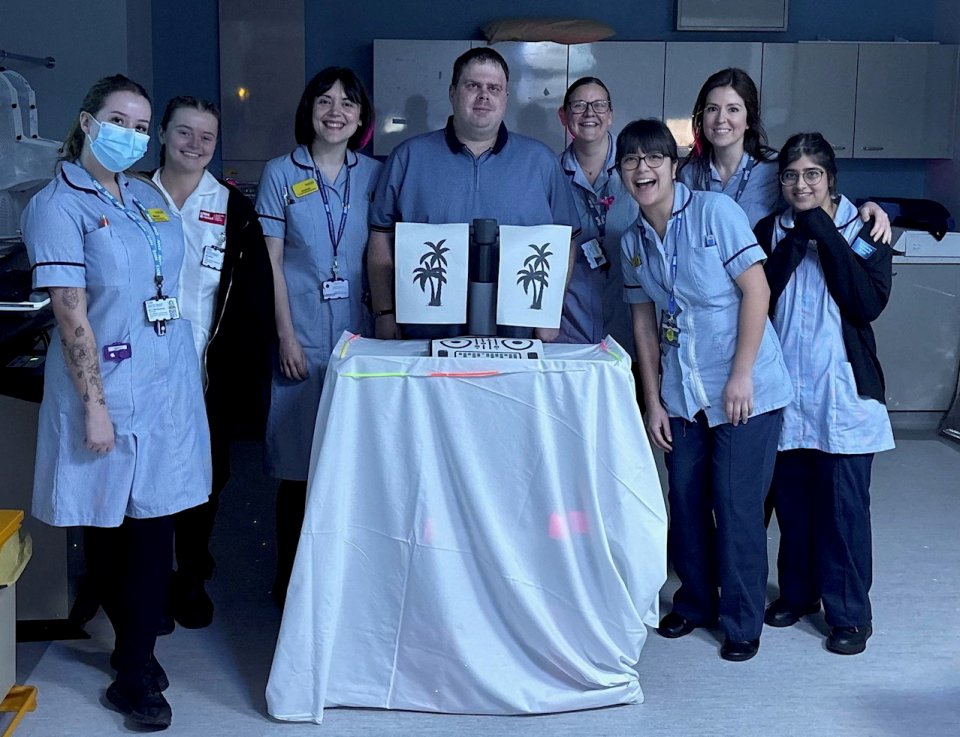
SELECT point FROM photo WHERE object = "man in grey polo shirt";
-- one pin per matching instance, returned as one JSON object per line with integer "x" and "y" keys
{"x": 472, "y": 168}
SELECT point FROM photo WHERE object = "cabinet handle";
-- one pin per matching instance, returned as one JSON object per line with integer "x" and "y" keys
{"x": 839, "y": 148}
{"x": 873, "y": 148}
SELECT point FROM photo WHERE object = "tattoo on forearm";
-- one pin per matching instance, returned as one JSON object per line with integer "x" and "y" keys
{"x": 81, "y": 355}
{"x": 71, "y": 297}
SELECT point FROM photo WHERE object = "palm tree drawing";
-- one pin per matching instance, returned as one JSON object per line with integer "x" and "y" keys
{"x": 535, "y": 272}
{"x": 432, "y": 270}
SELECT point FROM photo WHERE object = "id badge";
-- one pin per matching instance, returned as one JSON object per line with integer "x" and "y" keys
{"x": 594, "y": 253}
{"x": 336, "y": 289}
{"x": 669, "y": 331}
{"x": 161, "y": 310}
{"x": 212, "y": 258}
{"x": 117, "y": 352}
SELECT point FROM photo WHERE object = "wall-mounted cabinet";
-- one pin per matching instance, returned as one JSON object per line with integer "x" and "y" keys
{"x": 810, "y": 87}
{"x": 870, "y": 100}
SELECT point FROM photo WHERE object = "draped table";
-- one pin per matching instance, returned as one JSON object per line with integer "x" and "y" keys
{"x": 483, "y": 536}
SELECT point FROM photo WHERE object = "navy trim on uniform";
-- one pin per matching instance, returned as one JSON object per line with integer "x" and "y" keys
{"x": 380, "y": 228}
{"x": 632, "y": 286}
{"x": 747, "y": 248}
{"x": 58, "y": 263}
{"x": 63, "y": 175}
{"x": 456, "y": 145}
{"x": 271, "y": 217}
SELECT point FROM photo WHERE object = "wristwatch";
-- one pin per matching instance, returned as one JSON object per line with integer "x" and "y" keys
{"x": 382, "y": 313}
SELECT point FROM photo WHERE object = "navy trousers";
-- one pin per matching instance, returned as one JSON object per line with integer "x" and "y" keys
{"x": 823, "y": 509}
{"x": 718, "y": 479}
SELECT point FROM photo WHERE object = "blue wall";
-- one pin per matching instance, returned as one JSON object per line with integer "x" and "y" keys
{"x": 186, "y": 56}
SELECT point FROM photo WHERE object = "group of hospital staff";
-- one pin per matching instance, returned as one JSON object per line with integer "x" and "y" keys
{"x": 188, "y": 317}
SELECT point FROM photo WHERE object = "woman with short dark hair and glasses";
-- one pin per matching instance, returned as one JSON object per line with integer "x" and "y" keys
{"x": 828, "y": 281}
{"x": 713, "y": 380}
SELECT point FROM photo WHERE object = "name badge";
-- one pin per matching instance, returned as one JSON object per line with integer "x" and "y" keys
{"x": 862, "y": 248}
{"x": 158, "y": 215}
{"x": 669, "y": 331}
{"x": 117, "y": 352}
{"x": 307, "y": 186}
{"x": 161, "y": 310}
{"x": 212, "y": 258}
{"x": 336, "y": 289}
{"x": 594, "y": 253}
{"x": 217, "y": 218}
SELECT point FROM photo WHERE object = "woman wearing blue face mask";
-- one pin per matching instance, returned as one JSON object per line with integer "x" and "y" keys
{"x": 122, "y": 442}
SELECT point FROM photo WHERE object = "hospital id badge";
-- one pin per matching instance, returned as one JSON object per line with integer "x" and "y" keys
{"x": 162, "y": 309}
{"x": 336, "y": 289}
{"x": 669, "y": 331}
{"x": 212, "y": 258}
{"x": 594, "y": 253}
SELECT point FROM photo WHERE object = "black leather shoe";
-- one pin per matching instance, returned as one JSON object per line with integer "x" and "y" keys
{"x": 849, "y": 640}
{"x": 674, "y": 625}
{"x": 153, "y": 672}
{"x": 192, "y": 606}
{"x": 739, "y": 650}
{"x": 781, "y": 614}
{"x": 145, "y": 706}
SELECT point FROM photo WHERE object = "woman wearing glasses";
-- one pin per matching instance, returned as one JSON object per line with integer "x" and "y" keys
{"x": 713, "y": 380}
{"x": 828, "y": 281}
{"x": 593, "y": 304}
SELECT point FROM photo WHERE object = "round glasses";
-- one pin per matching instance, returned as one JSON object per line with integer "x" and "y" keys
{"x": 579, "y": 107}
{"x": 632, "y": 161}
{"x": 792, "y": 176}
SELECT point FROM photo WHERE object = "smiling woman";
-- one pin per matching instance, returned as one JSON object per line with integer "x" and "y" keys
{"x": 226, "y": 292}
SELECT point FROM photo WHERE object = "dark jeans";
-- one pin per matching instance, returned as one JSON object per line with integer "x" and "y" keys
{"x": 823, "y": 509}
{"x": 130, "y": 569}
{"x": 718, "y": 478}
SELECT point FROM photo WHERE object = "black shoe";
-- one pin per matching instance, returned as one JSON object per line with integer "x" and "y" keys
{"x": 192, "y": 606}
{"x": 739, "y": 650}
{"x": 849, "y": 640}
{"x": 146, "y": 707}
{"x": 675, "y": 625}
{"x": 781, "y": 614}
{"x": 154, "y": 672}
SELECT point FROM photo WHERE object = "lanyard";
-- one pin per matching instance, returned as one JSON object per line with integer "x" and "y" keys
{"x": 335, "y": 237}
{"x": 744, "y": 179}
{"x": 672, "y": 303}
{"x": 146, "y": 225}
{"x": 597, "y": 212}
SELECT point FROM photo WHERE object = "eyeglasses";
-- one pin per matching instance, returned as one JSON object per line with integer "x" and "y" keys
{"x": 579, "y": 107}
{"x": 792, "y": 176}
{"x": 632, "y": 161}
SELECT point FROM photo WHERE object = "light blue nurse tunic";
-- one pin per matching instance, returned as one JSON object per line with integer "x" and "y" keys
{"x": 160, "y": 463}
{"x": 291, "y": 207}
{"x": 593, "y": 305}
{"x": 755, "y": 185}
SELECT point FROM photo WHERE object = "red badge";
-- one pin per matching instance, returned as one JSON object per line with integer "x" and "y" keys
{"x": 217, "y": 218}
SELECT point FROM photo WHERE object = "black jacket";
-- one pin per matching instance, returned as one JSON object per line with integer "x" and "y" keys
{"x": 243, "y": 336}
{"x": 859, "y": 286}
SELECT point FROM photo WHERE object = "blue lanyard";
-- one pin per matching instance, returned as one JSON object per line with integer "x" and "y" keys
{"x": 672, "y": 303}
{"x": 599, "y": 214}
{"x": 744, "y": 179}
{"x": 335, "y": 237}
{"x": 142, "y": 220}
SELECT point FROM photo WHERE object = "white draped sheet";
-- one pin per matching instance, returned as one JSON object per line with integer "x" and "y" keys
{"x": 473, "y": 544}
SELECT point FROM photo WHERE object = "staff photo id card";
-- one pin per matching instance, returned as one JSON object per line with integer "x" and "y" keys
{"x": 432, "y": 262}
{"x": 533, "y": 274}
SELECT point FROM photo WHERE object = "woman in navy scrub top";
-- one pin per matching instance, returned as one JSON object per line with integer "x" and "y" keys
{"x": 313, "y": 208}
{"x": 730, "y": 152}
{"x": 123, "y": 441}
{"x": 828, "y": 281}
{"x": 714, "y": 383}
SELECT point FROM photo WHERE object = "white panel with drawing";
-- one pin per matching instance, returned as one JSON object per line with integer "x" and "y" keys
{"x": 432, "y": 262}
{"x": 533, "y": 274}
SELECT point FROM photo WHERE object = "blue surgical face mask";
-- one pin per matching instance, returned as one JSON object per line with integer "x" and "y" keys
{"x": 117, "y": 148}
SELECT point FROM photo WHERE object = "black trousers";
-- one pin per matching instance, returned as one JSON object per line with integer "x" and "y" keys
{"x": 194, "y": 526}
{"x": 130, "y": 569}
{"x": 718, "y": 478}
{"x": 822, "y": 502}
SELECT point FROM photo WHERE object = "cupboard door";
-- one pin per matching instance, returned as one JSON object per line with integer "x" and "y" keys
{"x": 810, "y": 87}
{"x": 631, "y": 70}
{"x": 906, "y": 101}
{"x": 687, "y": 67}
{"x": 411, "y": 82}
